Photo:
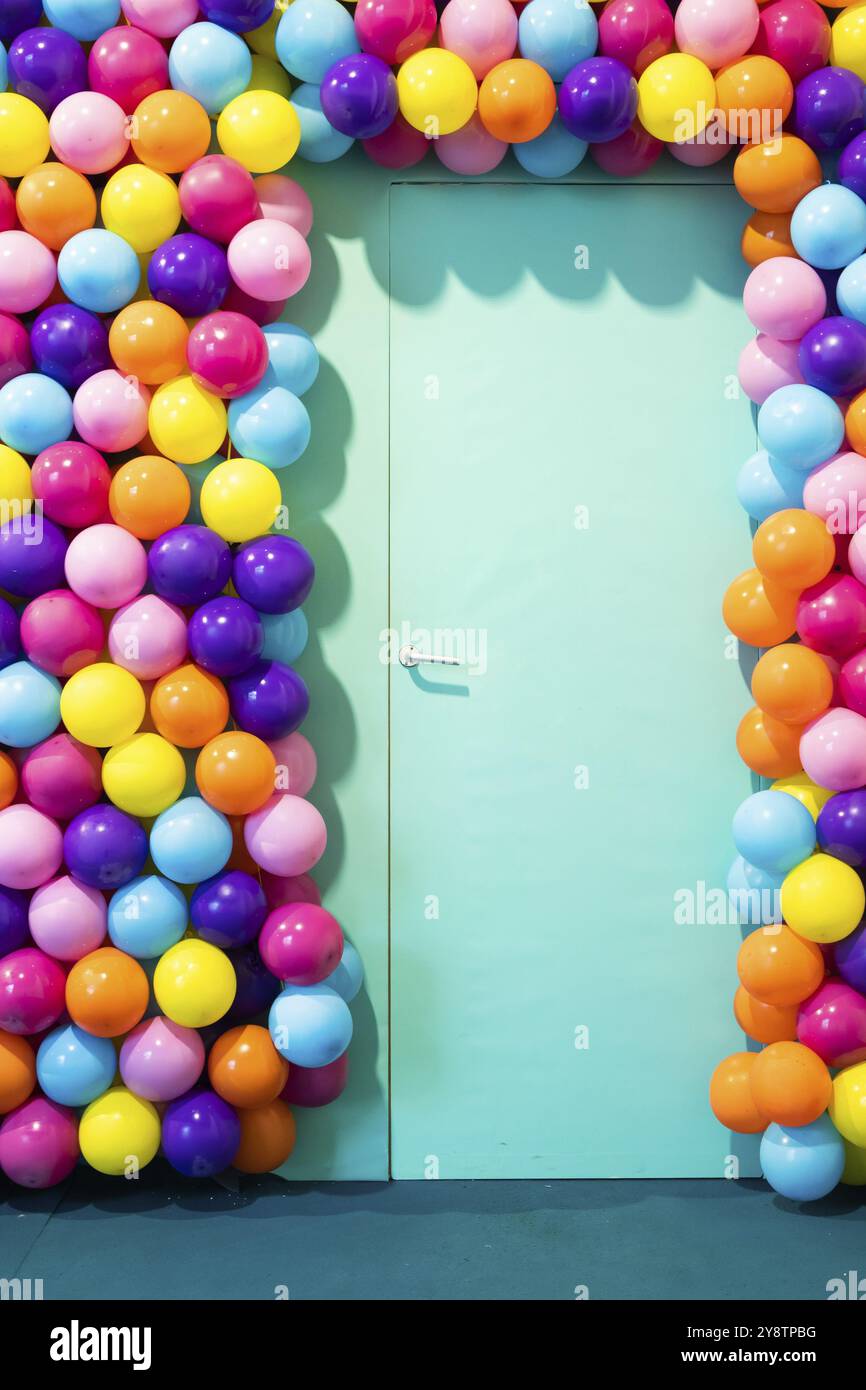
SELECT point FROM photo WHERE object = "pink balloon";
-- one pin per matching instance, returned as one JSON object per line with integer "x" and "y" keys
{"x": 164, "y": 18}
{"x": 299, "y": 888}
{"x": 148, "y": 637}
{"x": 296, "y": 764}
{"x": 832, "y": 1022}
{"x": 857, "y": 549}
{"x": 784, "y": 297}
{"x": 286, "y": 836}
{"x": 61, "y": 777}
{"x": 110, "y": 411}
{"x": 481, "y": 32}
{"x": 767, "y": 364}
{"x": 88, "y": 132}
{"x": 470, "y": 150}
{"x": 227, "y": 353}
{"x": 281, "y": 199}
{"x": 61, "y": 633}
{"x": 269, "y": 259}
{"x": 700, "y": 153}
{"x": 629, "y": 154}
{"x": 315, "y": 1086}
{"x": 159, "y": 1059}
{"x": 836, "y": 491}
{"x": 67, "y": 918}
{"x": 31, "y": 848}
{"x": 32, "y": 991}
{"x": 106, "y": 566}
{"x": 833, "y": 750}
{"x": 399, "y": 147}
{"x": 28, "y": 272}
{"x": 300, "y": 943}
{"x": 218, "y": 197}
{"x": 831, "y": 616}
{"x": 39, "y": 1143}
{"x": 636, "y": 32}
{"x": 716, "y": 31}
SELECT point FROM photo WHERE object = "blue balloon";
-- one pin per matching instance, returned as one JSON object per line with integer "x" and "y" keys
{"x": 310, "y": 1025}
{"x": 98, "y": 270}
{"x": 765, "y": 486}
{"x": 556, "y": 34}
{"x": 29, "y": 705}
{"x": 74, "y": 1067}
{"x": 293, "y": 361}
{"x": 555, "y": 151}
{"x": 147, "y": 916}
{"x": 828, "y": 227}
{"x": 270, "y": 424}
{"x": 4, "y": 69}
{"x": 754, "y": 894}
{"x": 800, "y": 426}
{"x": 311, "y": 36}
{"x": 211, "y": 64}
{"x": 774, "y": 831}
{"x": 851, "y": 290}
{"x": 348, "y": 977}
{"x": 35, "y": 411}
{"x": 286, "y": 636}
{"x": 320, "y": 142}
{"x": 190, "y": 841}
{"x": 84, "y": 19}
{"x": 803, "y": 1162}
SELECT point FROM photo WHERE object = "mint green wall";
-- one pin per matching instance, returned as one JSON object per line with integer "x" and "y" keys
{"x": 338, "y": 497}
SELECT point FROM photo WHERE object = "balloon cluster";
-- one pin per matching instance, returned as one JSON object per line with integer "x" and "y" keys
{"x": 168, "y": 976}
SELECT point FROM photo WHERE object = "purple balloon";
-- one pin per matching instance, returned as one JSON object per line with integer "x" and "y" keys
{"x": 32, "y": 555}
{"x": 189, "y": 273}
{"x": 104, "y": 847}
{"x": 14, "y": 930}
{"x": 200, "y": 1134}
{"x": 225, "y": 636}
{"x": 189, "y": 565}
{"x": 273, "y": 573}
{"x": 47, "y": 65}
{"x": 850, "y": 957}
{"x": 16, "y": 16}
{"x": 15, "y": 355}
{"x": 598, "y": 100}
{"x": 10, "y": 642}
{"x": 852, "y": 166}
{"x": 69, "y": 344}
{"x": 359, "y": 95}
{"x": 832, "y": 356}
{"x": 229, "y": 909}
{"x": 257, "y": 988}
{"x": 829, "y": 108}
{"x": 269, "y": 700}
{"x": 238, "y": 15}
{"x": 842, "y": 828}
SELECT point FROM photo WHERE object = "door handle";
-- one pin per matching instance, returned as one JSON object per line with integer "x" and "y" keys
{"x": 410, "y": 656}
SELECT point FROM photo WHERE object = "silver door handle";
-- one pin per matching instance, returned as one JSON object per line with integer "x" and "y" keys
{"x": 410, "y": 656}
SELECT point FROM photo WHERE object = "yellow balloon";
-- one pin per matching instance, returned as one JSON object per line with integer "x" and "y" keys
{"x": 119, "y": 1132}
{"x": 240, "y": 499}
{"x": 143, "y": 776}
{"x": 16, "y": 487}
{"x": 186, "y": 423}
{"x": 262, "y": 40}
{"x": 194, "y": 983}
{"x": 848, "y": 1104}
{"x": 24, "y": 139}
{"x": 807, "y": 792}
{"x": 437, "y": 91}
{"x": 854, "y": 1172}
{"x": 822, "y": 899}
{"x": 676, "y": 97}
{"x": 260, "y": 130}
{"x": 269, "y": 76}
{"x": 141, "y": 205}
{"x": 102, "y": 705}
{"x": 848, "y": 41}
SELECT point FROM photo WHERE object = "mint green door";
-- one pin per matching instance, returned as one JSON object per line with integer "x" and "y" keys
{"x": 565, "y": 434}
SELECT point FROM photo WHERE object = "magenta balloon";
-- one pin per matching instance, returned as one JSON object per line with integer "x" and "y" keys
{"x": 301, "y": 944}
{"x": 218, "y": 197}
{"x": 315, "y": 1086}
{"x": 637, "y": 32}
{"x": 127, "y": 65}
{"x": 39, "y": 1143}
{"x": 15, "y": 355}
{"x": 72, "y": 481}
{"x": 297, "y": 888}
{"x": 61, "y": 777}
{"x": 32, "y": 991}
{"x": 261, "y": 311}
{"x": 394, "y": 29}
{"x": 832, "y": 1022}
{"x": 61, "y": 632}
{"x": 227, "y": 353}
{"x": 628, "y": 154}
{"x": 831, "y": 616}
{"x": 399, "y": 147}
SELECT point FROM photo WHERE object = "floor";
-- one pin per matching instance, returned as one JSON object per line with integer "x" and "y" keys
{"x": 161, "y": 1238}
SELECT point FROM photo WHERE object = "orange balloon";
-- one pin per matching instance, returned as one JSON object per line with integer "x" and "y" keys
{"x": 731, "y": 1094}
{"x": 8, "y": 781}
{"x": 765, "y": 1023}
{"x": 17, "y": 1071}
{"x": 53, "y": 203}
{"x": 766, "y": 235}
{"x": 767, "y": 746}
{"x": 792, "y": 683}
{"x": 149, "y": 495}
{"x": 245, "y": 1068}
{"x": 790, "y": 1084}
{"x": 775, "y": 176}
{"x": 267, "y": 1137}
{"x": 148, "y": 340}
{"x": 517, "y": 100}
{"x": 778, "y": 967}
{"x": 106, "y": 992}
{"x": 759, "y": 611}
{"x": 794, "y": 548}
{"x": 755, "y": 96}
{"x": 855, "y": 423}
{"x": 172, "y": 130}
{"x": 235, "y": 773}
{"x": 189, "y": 706}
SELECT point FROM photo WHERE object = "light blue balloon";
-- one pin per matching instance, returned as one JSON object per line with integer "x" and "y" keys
{"x": 800, "y": 427}
{"x": 828, "y": 227}
{"x": 147, "y": 916}
{"x": 190, "y": 841}
{"x": 270, "y": 424}
{"x": 286, "y": 636}
{"x": 4, "y": 70}
{"x": 98, "y": 270}
{"x": 211, "y": 64}
{"x": 320, "y": 143}
{"x": 556, "y": 34}
{"x": 29, "y": 705}
{"x": 754, "y": 894}
{"x": 851, "y": 290}
{"x": 293, "y": 361}
{"x": 311, "y": 36}
{"x": 765, "y": 486}
{"x": 85, "y": 19}
{"x": 803, "y": 1162}
{"x": 773, "y": 831}
{"x": 195, "y": 475}
{"x": 348, "y": 977}
{"x": 74, "y": 1067}
{"x": 310, "y": 1024}
{"x": 35, "y": 411}
{"x": 555, "y": 151}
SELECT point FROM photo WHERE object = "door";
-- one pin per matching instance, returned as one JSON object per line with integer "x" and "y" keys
{"x": 565, "y": 435}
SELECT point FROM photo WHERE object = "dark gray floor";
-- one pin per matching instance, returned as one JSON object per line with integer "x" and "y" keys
{"x": 162, "y": 1238}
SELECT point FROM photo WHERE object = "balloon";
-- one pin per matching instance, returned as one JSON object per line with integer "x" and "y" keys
{"x": 8, "y": 781}
{"x": 395, "y": 29}
{"x": 148, "y": 637}
{"x": 38, "y": 1144}
{"x": 17, "y": 1071}
{"x": 851, "y": 290}
{"x": 765, "y": 487}
{"x": 851, "y": 169}
{"x": 754, "y": 95}
{"x": 800, "y": 426}
{"x": 267, "y": 1138}
{"x": 24, "y": 140}
{"x": 316, "y": 1086}
{"x": 790, "y": 1085}
{"x": 598, "y": 100}
{"x": 301, "y": 943}
{"x": 348, "y": 976}
{"x": 758, "y": 611}
{"x": 110, "y": 412}
{"x": 552, "y": 154}
{"x": 803, "y": 1162}
{"x": 359, "y": 96}
{"x": 778, "y": 967}
{"x": 797, "y": 34}
{"x": 768, "y": 746}
{"x": 67, "y": 920}
{"x": 270, "y": 425}
{"x": 35, "y": 412}
{"x": 13, "y": 920}
{"x": 319, "y": 141}
{"x": 31, "y": 557}
{"x": 775, "y": 176}
{"x": 269, "y": 259}
{"x": 731, "y": 1095}
{"x": 227, "y": 354}
{"x": 29, "y": 705}
{"x": 842, "y": 827}
{"x": 106, "y": 992}
{"x": 310, "y": 1025}
{"x": 716, "y": 33}
{"x": 186, "y": 423}
{"x": 164, "y": 18}
{"x": 833, "y": 356}
{"x": 46, "y": 65}
{"x": 218, "y": 197}
{"x": 189, "y": 707}
{"x": 268, "y": 700}
{"x": 61, "y": 777}
{"x": 636, "y": 32}
{"x": 237, "y": 15}
{"x": 245, "y": 1068}
{"x": 437, "y": 91}
{"x": 70, "y": 345}
{"x": 71, "y": 480}
{"x": 235, "y": 773}
{"x": 190, "y": 274}
{"x": 792, "y": 683}
{"x": 88, "y": 133}
{"x": 260, "y": 130}
{"x": 98, "y": 270}
{"x": 399, "y": 147}
{"x": 676, "y": 96}
{"x": 829, "y": 108}
{"x": 60, "y": 634}
{"x": 773, "y": 831}
{"x": 119, "y": 1133}
{"x": 753, "y": 894}
{"x": 172, "y": 130}
{"x": 27, "y": 272}
{"x": 852, "y": 683}
{"x": 833, "y": 749}
{"x": 144, "y": 776}
{"x": 160, "y": 1060}
{"x": 102, "y": 704}
{"x": 283, "y": 199}
{"x": 189, "y": 842}
{"x": 793, "y": 549}
{"x": 127, "y": 65}
{"x": 831, "y": 616}
{"x": 828, "y": 227}
{"x": 832, "y": 1022}
{"x": 106, "y": 565}
{"x": 200, "y": 1134}
{"x": 311, "y": 39}
{"x": 557, "y": 35}
{"x": 848, "y": 1105}
{"x": 823, "y": 899}
{"x": 149, "y": 495}
{"x": 73, "y": 1066}
{"x": 765, "y": 235}
{"x": 210, "y": 64}
{"x": 784, "y": 298}
{"x": 146, "y": 917}
{"x": 765, "y": 1023}
{"x": 31, "y": 989}
{"x": 194, "y": 983}
{"x": 225, "y": 636}
{"x": 141, "y": 205}
{"x": 15, "y": 357}
{"x": 240, "y": 499}
{"x": 629, "y": 154}
{"x": 189, "y": 565}
{"x": 286, "y": 836}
